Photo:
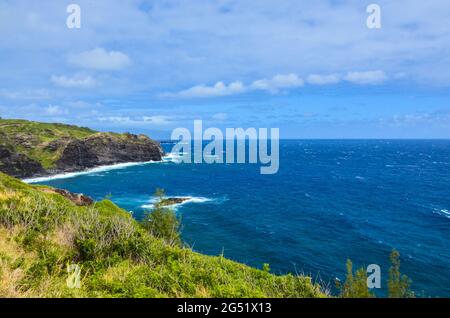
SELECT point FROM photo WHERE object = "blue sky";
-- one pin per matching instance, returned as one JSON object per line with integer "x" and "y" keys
{"x": 311, "y": 68}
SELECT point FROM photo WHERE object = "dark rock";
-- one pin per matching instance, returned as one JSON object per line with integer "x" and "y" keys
{"x": 18, "y": 165}
{"x": 77, "y": 198}
{"x": 172, "y": 201}
{"x": 106, "y": 149}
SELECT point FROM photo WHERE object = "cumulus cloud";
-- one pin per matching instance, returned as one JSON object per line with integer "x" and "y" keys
{"x": 116, "y": 119}
{"x": 369, "y": 77}
{"x": 100, "y": 59}
{"x": 157, "y": 120}
{"x": 74, "y": 82}
{"x": 278, "y": 82}
{"x": 273, "y": 85}
{"x": 219, "y": 89}
{"x": 317, "y": 79}
{"x": 55, "y": 110}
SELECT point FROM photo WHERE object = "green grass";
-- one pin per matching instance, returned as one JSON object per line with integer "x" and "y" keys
{"x": 37, "y": 136}
{"x": 41, "y": 233}
{"x": 32, "y": 138}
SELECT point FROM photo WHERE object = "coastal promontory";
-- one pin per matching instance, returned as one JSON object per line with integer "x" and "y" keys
{"x": 31, "y": 149}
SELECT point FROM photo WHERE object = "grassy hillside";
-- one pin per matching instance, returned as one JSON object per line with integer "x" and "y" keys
{"x": 34, "y": 139}
{"x": 41, "y": 233}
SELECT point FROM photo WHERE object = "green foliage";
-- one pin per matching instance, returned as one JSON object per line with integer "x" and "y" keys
{"x": 41, "y": 233}
{"x": 266, "y": 267}
{"x": 162, "y": 222}
{"x": 355, "y": 285}
{"x": 398, "y": 284}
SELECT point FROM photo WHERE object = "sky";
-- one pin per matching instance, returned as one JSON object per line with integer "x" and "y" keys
{"x": 313, "y": 69}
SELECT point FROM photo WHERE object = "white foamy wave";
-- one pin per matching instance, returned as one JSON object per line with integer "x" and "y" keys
{"x": 87, "y": 172}
{"x": 173, "y": 157}
{"x": 150, "y": 204}
{"x": 443, "y": 212}
{"x": 152, "y": 201}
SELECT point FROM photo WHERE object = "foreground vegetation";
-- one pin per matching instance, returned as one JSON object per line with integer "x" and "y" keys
{"x": 355, "y": 284}
{"x": 45, "y": 240}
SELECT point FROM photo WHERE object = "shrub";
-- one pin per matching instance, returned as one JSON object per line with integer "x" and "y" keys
{"x": 398, "y": 284}
{"x": 162, "y": 222}
{"x": 355, "y": 285}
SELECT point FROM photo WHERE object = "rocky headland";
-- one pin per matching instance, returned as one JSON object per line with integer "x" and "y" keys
{"x": 31, "y": 149}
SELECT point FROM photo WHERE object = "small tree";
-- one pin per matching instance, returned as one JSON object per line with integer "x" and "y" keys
{"x": 398, "y": 284}
{"x": 162, "y": 222}
{"x": 355, "y": 285}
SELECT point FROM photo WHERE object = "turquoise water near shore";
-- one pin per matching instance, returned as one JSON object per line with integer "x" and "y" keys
{"x": 331, "y": 200}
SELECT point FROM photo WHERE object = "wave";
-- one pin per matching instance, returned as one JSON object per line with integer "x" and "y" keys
{"x": 150, "y": 204}
{"x": 99, "y": 169}
{"x": 173, "y": 157}
{"x": 442, "y": 212}
{"x": 170, "y": 157}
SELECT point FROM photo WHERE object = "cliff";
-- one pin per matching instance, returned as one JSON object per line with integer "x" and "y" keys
{"x": 30, "y": 149}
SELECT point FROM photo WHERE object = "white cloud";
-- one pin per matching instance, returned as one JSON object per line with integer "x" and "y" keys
{"x": 74, "y": 82}
{"x": 273, "y": 85}
{"x": 157, "y": 120}
{"x": 100, "y": 59}
{"x": 55, "y": 110}
{"x": 219, "y": 89}
{"x": 364, "y": 78}
{"x": 116, "y": 119}
{"x": 317, "y": 79}
{"x": 278, "y": 82}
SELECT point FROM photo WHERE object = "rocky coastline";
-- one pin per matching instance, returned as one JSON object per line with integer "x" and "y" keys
{"x": 35, "y": 155}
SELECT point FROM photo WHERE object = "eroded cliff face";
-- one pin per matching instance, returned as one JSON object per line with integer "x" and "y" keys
{"x": 18, "y": 165}
{"x": 75, "y": 154}
{"x": 106, "y": 149}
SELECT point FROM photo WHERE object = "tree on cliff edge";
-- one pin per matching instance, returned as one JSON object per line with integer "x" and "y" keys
{"x": 162, "y": 222}
{"x": 398, "y": 284}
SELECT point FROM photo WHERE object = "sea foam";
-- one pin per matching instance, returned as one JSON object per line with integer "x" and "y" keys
{"x": 105, "y": 168}
{"x": 171, "y": 157}
{"x": 151, "y": 205}
{"x": 443, "y": 212}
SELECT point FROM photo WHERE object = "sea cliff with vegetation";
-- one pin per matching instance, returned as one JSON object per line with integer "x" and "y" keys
{"x": 31, "y": 149}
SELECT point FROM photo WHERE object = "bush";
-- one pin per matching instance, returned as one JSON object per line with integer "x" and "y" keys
{"x": 398, "y": 284}
{"x": 162, "y": 222}
{"x": 355, "y": 285}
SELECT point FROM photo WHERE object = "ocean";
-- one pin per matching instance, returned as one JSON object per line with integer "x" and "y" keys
{"x": 331, "y": 200}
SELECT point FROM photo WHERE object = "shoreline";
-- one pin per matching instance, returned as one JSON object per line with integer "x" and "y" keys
{"x": 68, "y": 175}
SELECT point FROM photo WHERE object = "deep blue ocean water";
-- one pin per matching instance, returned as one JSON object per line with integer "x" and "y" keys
{"x": 330, "y": 201}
